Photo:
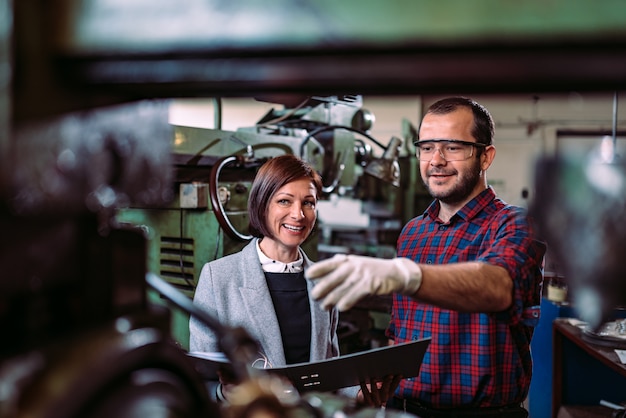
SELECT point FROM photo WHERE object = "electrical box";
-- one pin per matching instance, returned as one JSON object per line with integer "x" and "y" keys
{"x": 194, "y": 195}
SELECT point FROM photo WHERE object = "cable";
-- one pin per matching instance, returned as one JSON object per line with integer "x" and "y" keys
{"x": 340, "y": 164}
{"x": 333, "y": 127}
{"x": 220, "y": 214}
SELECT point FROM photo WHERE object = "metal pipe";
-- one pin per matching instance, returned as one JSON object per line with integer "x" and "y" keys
{"x": 614, "y": 122}
{"x": 217, "y": 112}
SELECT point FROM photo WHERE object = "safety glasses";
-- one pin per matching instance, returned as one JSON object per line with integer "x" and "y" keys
{"x": 449, "y": 149}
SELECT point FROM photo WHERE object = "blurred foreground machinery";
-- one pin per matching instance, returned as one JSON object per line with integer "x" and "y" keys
{"x": 580, "y": 205}
{"x": 81, "y": 340}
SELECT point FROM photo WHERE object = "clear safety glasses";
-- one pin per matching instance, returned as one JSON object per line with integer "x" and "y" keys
{"x": 449, "y": 149}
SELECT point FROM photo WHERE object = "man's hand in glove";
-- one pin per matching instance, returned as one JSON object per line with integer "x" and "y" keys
{"x": 345, "y": 279}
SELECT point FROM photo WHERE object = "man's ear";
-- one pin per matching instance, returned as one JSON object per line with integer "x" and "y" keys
{"x": 487, "y": 156}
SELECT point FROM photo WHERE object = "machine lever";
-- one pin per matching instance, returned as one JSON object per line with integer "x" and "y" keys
{"x": 235, "y": 342}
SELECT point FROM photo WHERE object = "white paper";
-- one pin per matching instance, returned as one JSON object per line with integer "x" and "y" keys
{"x": 622, "y": 355}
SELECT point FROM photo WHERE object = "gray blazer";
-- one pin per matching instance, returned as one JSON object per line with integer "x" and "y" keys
{"x": 233, "y": 289}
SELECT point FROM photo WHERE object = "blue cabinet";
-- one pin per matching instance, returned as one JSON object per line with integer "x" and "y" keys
{"x": 540, "y": 394}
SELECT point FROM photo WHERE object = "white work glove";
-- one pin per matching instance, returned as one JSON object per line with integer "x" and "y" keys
{"x": 343, "y": 280}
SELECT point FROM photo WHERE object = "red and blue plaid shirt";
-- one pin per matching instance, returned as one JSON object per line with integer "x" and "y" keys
{"x": 474, "y": 359}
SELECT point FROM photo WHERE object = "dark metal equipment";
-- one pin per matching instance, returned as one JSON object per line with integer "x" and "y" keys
{"x": 82, "y": 340}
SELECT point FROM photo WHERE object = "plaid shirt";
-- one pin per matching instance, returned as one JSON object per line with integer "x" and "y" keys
{"x": 474, "y": 359}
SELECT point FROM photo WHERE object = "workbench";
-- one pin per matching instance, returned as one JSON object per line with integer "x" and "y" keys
{"x": 584, "y": 373}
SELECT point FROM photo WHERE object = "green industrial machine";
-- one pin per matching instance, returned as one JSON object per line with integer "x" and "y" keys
{"x": 214, "y": 168}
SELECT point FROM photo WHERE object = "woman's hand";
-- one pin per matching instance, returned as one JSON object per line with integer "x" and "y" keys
{"x": 375, "y": 393}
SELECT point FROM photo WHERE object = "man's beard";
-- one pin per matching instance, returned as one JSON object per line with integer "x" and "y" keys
{"x": 462, "y": 190}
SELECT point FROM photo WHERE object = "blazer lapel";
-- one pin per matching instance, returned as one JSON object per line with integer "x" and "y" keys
{"x": 259, "y": 307}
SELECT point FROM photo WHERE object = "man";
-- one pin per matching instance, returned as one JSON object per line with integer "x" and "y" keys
{"x": 468, "y": 275}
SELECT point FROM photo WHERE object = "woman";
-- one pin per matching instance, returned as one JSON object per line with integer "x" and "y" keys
{"x": 262, "y": 288}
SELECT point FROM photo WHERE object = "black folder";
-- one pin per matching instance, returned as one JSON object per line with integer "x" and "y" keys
{"x": 335, "y": 373}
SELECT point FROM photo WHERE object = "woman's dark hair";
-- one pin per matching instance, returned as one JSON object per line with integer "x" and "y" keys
{"x": 273, "y": 175}
{"x": 483, "y": 129}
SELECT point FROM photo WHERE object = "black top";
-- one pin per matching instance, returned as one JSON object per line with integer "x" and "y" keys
{"x": 291, "y": 303}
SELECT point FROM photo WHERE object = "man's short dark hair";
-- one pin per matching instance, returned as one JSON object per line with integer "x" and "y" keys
{"x": 483, "y": 130}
